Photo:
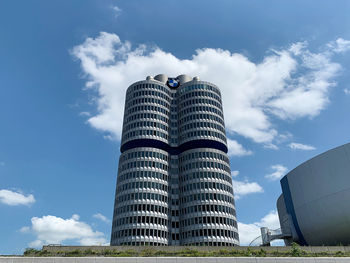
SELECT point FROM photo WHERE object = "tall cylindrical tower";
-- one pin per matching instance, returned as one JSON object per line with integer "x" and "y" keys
{"x": 208, "y": 215}
{"x": 141, "y": 203}
{"x": 174, "y": 183}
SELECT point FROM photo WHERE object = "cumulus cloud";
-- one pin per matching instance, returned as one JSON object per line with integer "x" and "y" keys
{"x": 242, "y": 188}
{"x": 56, "y": 230}
{"x": 340, "y": 45}
{"x": 25, "y": 229}
{"x": 280, "y": 138}
{"x": 85, "y": 114}
{"x": 252, "y": 92}
{"x": 117, "y": 11}
{"x": 9, "y": 197}
{"x": 278, "y": 171}
{"x": 248, "y": 232}
{"x": 271, "y": 146}
{"x": 300, "y": 146}
{"x": 101, "y": 217}
{"x": 347, "y": 91}
{"x": 236, "y": 149}
{"x": 235, "y": 173}
{"x": 36, "y": 243}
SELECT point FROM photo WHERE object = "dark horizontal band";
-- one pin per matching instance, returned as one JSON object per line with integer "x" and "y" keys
{"x": 173, "y": 150}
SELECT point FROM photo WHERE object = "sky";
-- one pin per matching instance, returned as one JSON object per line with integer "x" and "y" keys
{"x": 283, "y": 69}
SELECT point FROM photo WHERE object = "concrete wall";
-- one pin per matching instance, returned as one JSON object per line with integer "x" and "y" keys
{"x": 170, "y": 260}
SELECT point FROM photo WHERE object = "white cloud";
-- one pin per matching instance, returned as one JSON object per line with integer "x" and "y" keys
{"x": 235, "y": 173}
{"x": 271, "y": 146}
{"x": 279, "y": 171}
{"x": 108, "y": 137}
{"x": 309, "y": 90}
{"x": 248, "y": 232}
{"x": 251, "y": 92}
{"x": 236, "y": 149}
{"x": 25, "y": 229}
{"x": 9, "y": 197}
{"x": 340, "y": 45}
{"x": 280, "y": 138}
{"x": 36, "y": 243}
{"x": 242, "y": 188}
{"x": 101, "y": 217}
{"x": 300, "y": 146}
{"x": 56, "y": 230}
{"x": 85, "y": 114}
{"x": 347, "y": 91}
{"x": 117, "y": 11}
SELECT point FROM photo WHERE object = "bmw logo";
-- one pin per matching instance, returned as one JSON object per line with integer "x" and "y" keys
{"x": 173, "y": 83}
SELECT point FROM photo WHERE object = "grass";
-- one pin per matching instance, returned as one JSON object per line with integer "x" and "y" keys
{"x": 295, "y": 251}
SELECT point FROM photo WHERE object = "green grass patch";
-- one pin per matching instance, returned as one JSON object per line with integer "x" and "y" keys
{"x": 294, "y": 251}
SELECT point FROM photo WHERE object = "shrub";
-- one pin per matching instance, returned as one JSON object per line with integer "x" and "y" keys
{"x": 74, "y": 253}
{"x": 248, "y": 253}
{"x": 296, "y": 251}
{"x": 148, "y": 252}
{"x": 31, "y": 252}
{"x": 261, "y": 253}
{"x": 339, "y": 254}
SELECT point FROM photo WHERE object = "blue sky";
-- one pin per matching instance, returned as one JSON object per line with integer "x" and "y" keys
{"x": 283, "y": 68}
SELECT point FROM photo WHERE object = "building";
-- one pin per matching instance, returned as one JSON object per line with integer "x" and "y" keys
{"x": 174, "y": 183}
{"x": 314, "y": 208}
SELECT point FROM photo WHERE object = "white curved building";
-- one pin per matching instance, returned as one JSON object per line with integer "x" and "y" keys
{"x": 174, "y": 183}
{"x": 314, "y": 208}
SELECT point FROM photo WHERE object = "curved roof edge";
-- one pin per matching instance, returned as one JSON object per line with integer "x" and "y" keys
{"x": 317, "y": 156}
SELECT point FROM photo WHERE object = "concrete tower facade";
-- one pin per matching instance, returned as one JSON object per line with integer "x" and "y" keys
{"x": 174, "y": 183}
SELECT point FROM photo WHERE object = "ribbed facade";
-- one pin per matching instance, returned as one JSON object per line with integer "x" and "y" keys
{"x": 174, "y": 183}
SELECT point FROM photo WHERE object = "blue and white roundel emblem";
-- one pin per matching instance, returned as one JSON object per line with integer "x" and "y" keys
{"x": 173, "y": 83}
